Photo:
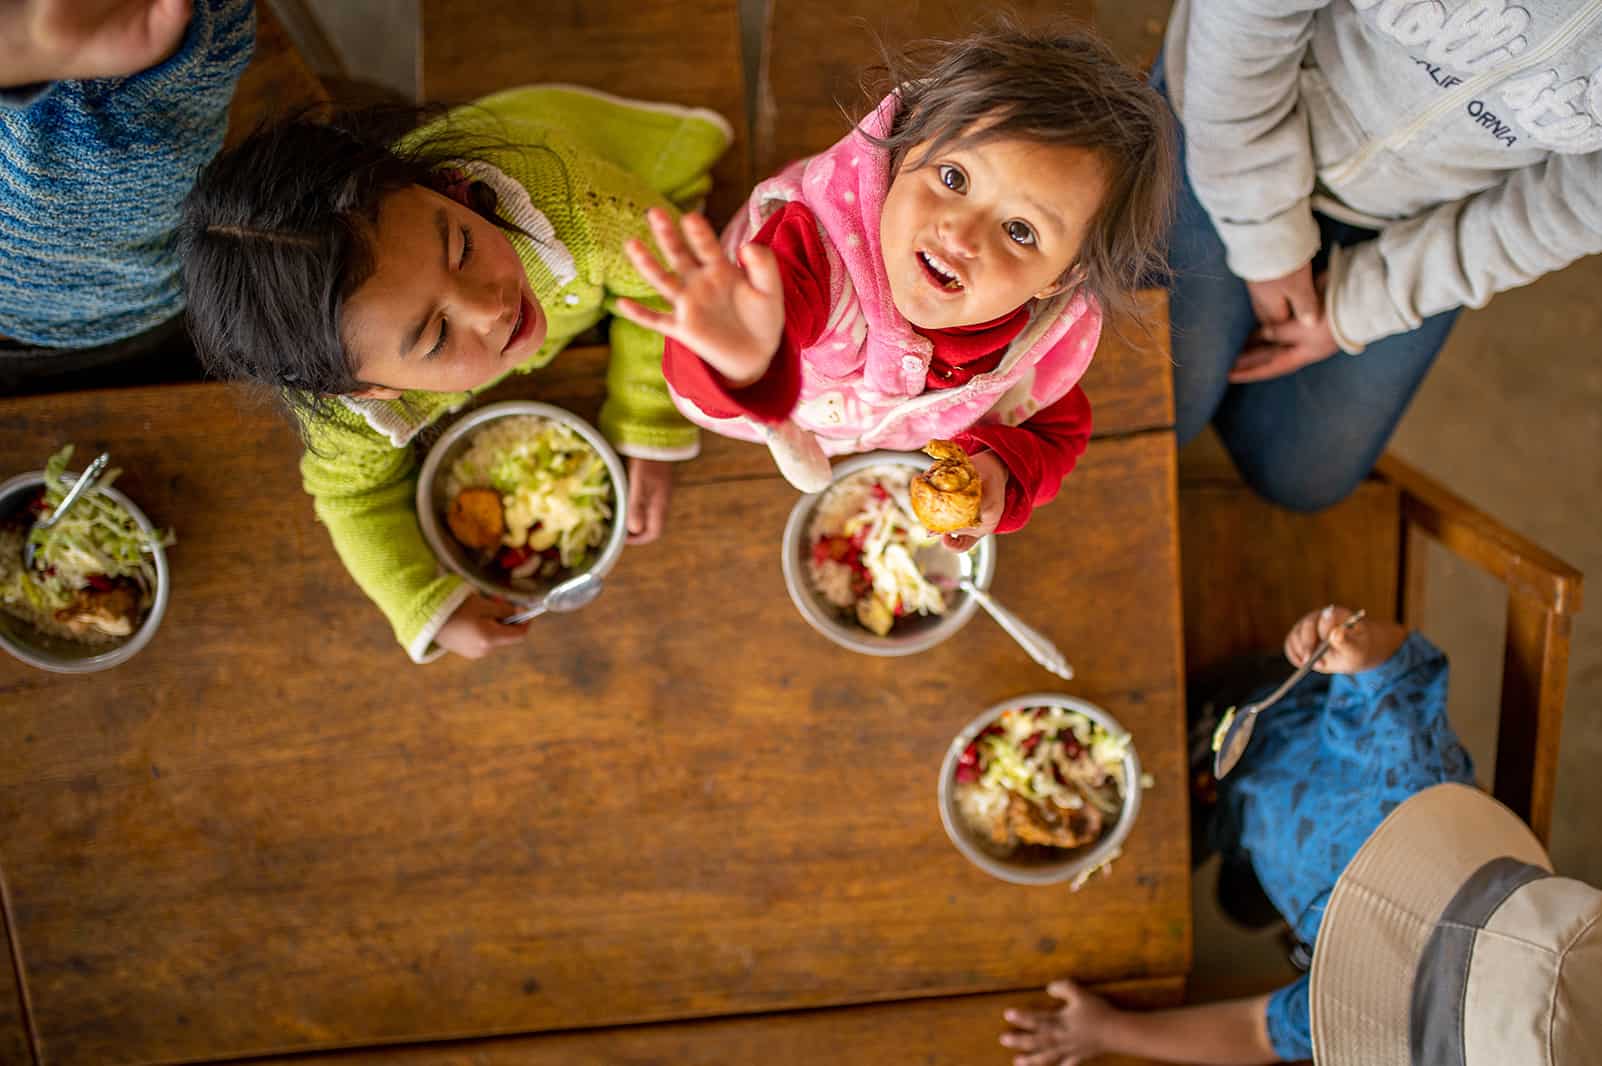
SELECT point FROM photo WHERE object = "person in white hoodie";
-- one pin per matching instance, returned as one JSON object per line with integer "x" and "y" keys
{"x": 1356, "y": 172}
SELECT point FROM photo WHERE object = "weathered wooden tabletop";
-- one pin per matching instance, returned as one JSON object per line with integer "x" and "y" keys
{"x": 269, "y": 832}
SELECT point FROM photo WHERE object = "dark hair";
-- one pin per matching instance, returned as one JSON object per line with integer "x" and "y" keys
{"x": 1059, "y": 86}
{"x": 277, "y": 234}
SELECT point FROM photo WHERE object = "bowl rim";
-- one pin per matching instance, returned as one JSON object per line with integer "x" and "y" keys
{"x": 434, "y": 533}
{"x": 1047, "y": 873}
{"x": 134, "y": 642}
{"x": 798, "y": 583}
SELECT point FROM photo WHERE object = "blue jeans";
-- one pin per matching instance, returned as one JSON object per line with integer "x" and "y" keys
{"x": 1305, "y": 440}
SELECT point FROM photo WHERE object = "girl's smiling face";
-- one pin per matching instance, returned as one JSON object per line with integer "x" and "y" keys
{"x": 973, "y": 233}
{"x": 447, "y": 307}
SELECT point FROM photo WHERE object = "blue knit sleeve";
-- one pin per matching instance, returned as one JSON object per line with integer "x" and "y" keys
{"x": 92, "y": 180}
{"x": 1290, "y": 1022}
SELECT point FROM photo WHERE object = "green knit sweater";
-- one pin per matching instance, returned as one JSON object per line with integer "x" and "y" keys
{"x": 579, "y": 172}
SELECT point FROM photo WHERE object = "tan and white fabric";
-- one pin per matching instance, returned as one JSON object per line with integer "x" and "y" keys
{"x": 1448, "y": 941}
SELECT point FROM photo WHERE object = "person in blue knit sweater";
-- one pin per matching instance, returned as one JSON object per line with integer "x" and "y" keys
{"x": 108, "y": 109}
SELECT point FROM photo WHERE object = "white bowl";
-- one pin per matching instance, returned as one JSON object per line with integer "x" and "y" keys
{"x": 432, "y": 504}
{"x": 1038, "y": 865}
{"x": 911, "y": 634}
{"x": 57, "y": 654}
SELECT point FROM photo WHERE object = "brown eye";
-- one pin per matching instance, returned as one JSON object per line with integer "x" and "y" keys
{"x": 1020, "y": 233}
{"x": 952, "y": 178}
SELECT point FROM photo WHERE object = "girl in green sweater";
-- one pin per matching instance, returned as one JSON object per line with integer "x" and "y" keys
{"x": 377, "y": 284}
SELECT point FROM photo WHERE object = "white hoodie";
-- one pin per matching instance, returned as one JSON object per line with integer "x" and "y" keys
{"x": 1468, "y": 132}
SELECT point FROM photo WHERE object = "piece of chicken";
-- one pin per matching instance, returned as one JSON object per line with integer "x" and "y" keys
{"x": 109, "y": 611}
{"x": 1051, "y": 825}
{"x": 476, "y": 520}
{"x": 946, "y": 496}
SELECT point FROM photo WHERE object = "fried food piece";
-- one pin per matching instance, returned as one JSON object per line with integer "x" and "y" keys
{"x": 875, "y": 616}
{"x": 946, "y": 496}
{"x": 110, "y": 610}
{"x": 1051, "y": 825}
{"x": 476, "y": 520}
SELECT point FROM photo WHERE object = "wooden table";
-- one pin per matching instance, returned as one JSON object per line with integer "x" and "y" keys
{"x": 270, "y": 833}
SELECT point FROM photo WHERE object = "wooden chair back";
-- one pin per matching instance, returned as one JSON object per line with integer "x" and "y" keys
{"x": 1250, "y": 569}
{"x": 1543, "y": 596}
{"x": 684, "y": 53}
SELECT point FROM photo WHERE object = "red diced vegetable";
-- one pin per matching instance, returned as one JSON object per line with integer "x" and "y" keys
{"x": 879, "y": 492}
{"x": 100, "y": 583}
{"x": 511, "y": 558}
{"x": 1031, "y": 742}
{"x": 967, "y": 773}
{"x": 1071, "y": 746}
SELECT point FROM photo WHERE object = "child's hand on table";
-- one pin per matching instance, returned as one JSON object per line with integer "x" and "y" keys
{"x": 475, "y": 629}
{"x": 60, "y": 40}
{"x": 992, "y": 501}
{"x": 732, "y": 320}
{"x": 1075, "y": 1032}
{"x": 1362, "y": 647}
{"x": 650, "y": 490}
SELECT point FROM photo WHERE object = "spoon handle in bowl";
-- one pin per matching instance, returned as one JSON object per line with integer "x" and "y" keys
{"x": 1036, "y": 643}
{"x": 85, "y": 479}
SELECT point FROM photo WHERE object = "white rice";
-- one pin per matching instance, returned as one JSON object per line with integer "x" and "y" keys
{"x": 842, "y": 502}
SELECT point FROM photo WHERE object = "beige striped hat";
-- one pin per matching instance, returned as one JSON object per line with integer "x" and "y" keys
{"x": 1448, "y": 941}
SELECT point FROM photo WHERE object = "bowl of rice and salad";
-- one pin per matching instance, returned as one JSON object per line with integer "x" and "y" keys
{"x": 520, "y": 498}
{"x": 100, "y": 583}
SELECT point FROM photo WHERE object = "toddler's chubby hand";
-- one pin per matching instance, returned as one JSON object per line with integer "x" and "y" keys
{"x": 1073, "y": 1033}
{"x": 475, "y": 629}
{"x": 732, "y": 319}
{"x": 992, "y": 501}
{"x": 60, "y": 40}
{"x": 1363, "y": 647}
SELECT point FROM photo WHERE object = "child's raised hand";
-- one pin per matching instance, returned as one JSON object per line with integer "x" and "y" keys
{"x": 58, "y": 40}
{"x": 1362, "y": 647}
{"x": 992, "y": 502}
{"x": 1074, "y": 1033}
{"x": 475, "y": 629}
{"x": 732, "y": 319}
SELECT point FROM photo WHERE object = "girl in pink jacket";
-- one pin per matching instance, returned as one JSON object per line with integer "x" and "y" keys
{"x": 940, "y": 273}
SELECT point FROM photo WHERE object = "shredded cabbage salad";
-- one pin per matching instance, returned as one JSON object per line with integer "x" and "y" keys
{"x": 556, "y": 492}
{"x": 97, "y": 542}
{"x": 1048, "y": 754}
{"x": 879, "y": 544}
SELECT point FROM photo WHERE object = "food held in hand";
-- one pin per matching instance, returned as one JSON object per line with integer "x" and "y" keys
{"x": 946, "y": 496}
{"x": 865, "y": 551}
{"x": 93, "y": 577}
{"x": 1042, "y": 776}
{"x": 531, "y": 497}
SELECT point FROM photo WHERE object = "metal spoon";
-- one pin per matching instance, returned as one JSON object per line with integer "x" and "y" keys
{"x": 1031, "y": 640}
{"x": 570, "y": 595}
{"x": 1235, "y": 731}
{"x": 85, "y": 479}
{"x": 933, "y": 561}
